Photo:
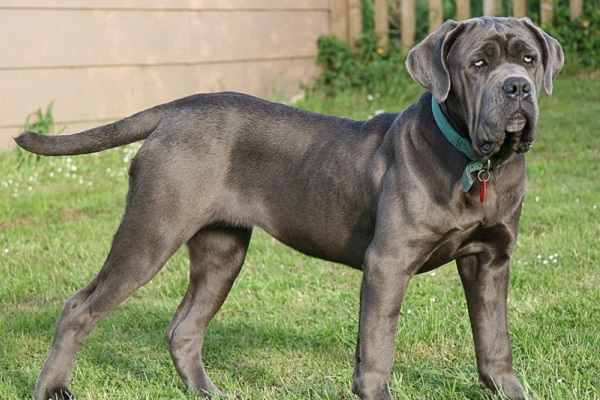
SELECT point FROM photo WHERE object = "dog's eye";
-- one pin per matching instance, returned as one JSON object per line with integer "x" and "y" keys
{"x": 528, "y": 60}
{"x": 479, "y": 64}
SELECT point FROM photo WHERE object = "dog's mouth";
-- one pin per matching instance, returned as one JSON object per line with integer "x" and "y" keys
{"x": 516, "y": 123}
{"x": 519, "y": 133}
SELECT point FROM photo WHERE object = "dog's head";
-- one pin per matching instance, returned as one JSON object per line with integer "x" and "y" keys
{"x": 489, "y": 73}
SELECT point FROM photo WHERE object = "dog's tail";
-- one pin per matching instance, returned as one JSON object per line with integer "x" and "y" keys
{"x": 132, "y": 129}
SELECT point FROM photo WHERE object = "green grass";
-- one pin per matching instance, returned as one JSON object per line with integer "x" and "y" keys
{"x": 288, "y": 329}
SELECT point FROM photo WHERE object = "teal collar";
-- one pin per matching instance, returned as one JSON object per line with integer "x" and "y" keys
{"x": 463, "y": 145}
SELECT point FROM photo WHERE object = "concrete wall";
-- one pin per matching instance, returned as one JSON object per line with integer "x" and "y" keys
{"x": 101, "y": 60}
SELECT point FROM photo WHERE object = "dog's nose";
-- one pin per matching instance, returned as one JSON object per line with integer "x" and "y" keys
{"x": 517, "y": 86}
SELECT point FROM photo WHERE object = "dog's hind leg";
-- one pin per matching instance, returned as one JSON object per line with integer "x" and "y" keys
{"x": 140, "y": 249}
{"x": 216, "y": 257}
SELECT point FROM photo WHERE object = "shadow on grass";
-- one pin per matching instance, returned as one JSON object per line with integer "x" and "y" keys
{"x": 440, "y": 384}
{"x": 129, "y": 345}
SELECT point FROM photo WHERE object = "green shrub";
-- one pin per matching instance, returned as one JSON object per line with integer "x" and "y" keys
{"x": 580, "y": 38}
{"x": 368, "y": 68}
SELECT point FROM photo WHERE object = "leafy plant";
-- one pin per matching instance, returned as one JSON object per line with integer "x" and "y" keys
{"x": 580, "y": 38}
{"x": 368, "y": 68}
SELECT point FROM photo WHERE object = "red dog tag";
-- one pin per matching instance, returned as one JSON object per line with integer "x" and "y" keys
{"x": 482, "y": 190}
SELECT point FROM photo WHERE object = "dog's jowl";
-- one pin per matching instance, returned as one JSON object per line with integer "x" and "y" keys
{"x": 394, "y": 196}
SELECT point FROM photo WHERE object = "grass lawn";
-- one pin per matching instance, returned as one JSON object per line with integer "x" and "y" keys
{"x": 288, "y": 329}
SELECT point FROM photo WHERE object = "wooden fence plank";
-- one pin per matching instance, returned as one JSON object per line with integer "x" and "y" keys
{"x": 354, "y": 20}
{"x": 490, "y": 7}
{"x": 436, "y": 14}
{"x": 381, "y": 22}
{"x": 546, "y": 11}
{"x": 407, "y": 23}
{"x": 463, "y": 9}
{"x": 339, "y": 19}
{"x": 575, "y": 8}
{"x": 520, "y": 8}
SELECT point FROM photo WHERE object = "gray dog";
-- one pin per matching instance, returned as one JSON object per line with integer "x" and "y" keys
{"x": 394, "y": 196}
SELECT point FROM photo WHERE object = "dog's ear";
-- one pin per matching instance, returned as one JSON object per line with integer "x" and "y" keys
{"x": 427, "y": 63}
{"x": 552, "y": 54}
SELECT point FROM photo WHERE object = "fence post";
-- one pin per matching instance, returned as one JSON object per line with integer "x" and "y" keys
{"x": 520, "y": 8}
{"x": 490, "y": 8}
{"x": 575, "y": 8}
{"x": 463, "y": 9}
{"x": 407, "y": 23}
{"x": 546, "y": 11}
{"x": 381, "y": 22}
{"x": 436, "y": 14}
{"x": 339, "y": 19}
{"x": 354, "y": 20}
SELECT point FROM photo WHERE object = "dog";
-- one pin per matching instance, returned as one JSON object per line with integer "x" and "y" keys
{"x": 394, "y": 196}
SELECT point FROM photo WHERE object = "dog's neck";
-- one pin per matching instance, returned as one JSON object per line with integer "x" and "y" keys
{"x": 464, "y": 146}
{"x": 449, "y": 130}
{"x": 454, "y": 117}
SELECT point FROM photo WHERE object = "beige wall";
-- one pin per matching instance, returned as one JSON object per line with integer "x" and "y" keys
{"x": 101, "y": 60}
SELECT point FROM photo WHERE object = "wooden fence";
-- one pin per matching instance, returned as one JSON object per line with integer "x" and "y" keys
{"x": 346, "y": 16}
{"x": 101, "y": 60}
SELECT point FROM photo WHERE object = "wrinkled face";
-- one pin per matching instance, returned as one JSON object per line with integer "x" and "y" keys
{"x": 495, "y": 83}
{"x": 489, "y": 72}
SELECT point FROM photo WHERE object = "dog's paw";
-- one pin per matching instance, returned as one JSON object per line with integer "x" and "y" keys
{"x": 60, "y": 393}
{"x": 506, "y": 385}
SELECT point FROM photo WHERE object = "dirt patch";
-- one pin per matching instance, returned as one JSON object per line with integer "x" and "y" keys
{"x": 6, "y": 225}
{"x": 72, "y": 215}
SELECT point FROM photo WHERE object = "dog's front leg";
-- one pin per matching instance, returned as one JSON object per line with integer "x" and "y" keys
{"x": 485, "y": 281}
{"x": 382, "y": 292}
